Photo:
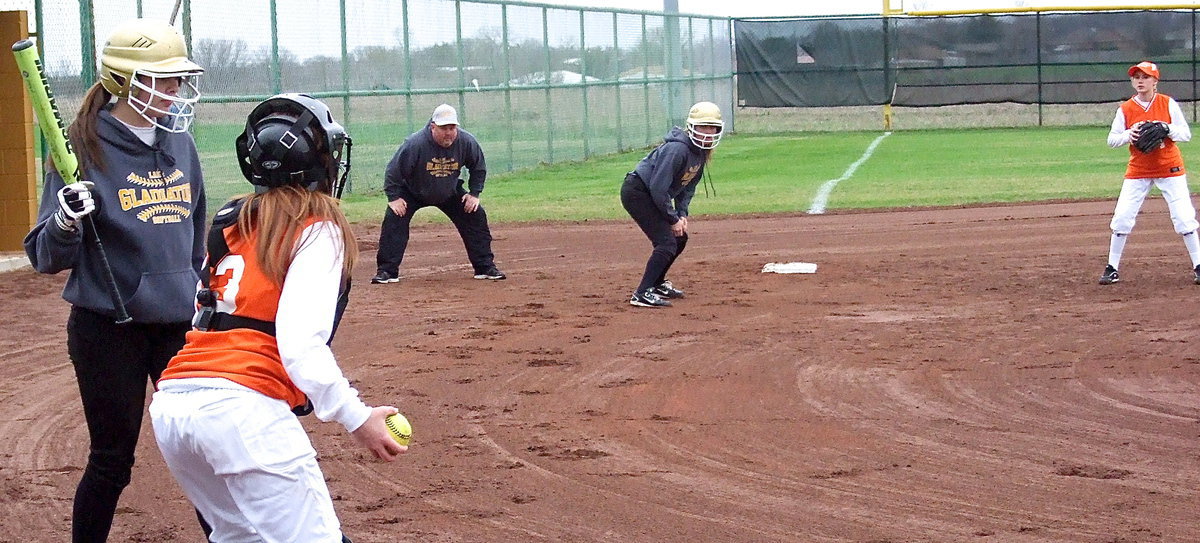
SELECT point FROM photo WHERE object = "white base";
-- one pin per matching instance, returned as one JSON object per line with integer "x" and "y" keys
{"x": 789, "y": 267}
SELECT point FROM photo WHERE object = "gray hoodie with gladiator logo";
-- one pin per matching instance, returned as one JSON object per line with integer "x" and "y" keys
{"x": 424, "y": 171}
{"x": 150, "y": 215}
{"x": 671, "y": 172}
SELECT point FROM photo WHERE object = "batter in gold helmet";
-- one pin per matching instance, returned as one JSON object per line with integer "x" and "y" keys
{"x": 144, "y": 195}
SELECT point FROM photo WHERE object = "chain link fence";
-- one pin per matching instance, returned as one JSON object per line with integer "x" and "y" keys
{"x": 535, "y": 83}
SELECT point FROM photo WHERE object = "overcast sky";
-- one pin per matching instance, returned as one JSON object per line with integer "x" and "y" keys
{"x": 309, "y": 27}
{"x": 768, "y": 8}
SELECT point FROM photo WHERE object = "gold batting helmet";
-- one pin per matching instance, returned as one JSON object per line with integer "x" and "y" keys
{"x": 705, "y": 114}
{"x": 153, "y": 49}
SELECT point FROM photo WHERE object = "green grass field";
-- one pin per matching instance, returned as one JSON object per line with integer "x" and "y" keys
{"x": 771, "y": 173}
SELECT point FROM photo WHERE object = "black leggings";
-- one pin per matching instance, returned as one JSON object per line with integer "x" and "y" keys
{"x": 472, "y": 227}
{"x": 113, "y": 364}
{"x": 667, "y": 247}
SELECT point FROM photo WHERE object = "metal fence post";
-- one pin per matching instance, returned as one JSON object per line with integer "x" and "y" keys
{"x": 276, "y": 71}
{"x": 1038, "y": 42}
{"x": 345, "y": 68}
{"x": 712, "y": 59}
{"x": 508, "y": 110}
{"x": 617, "y": 71}
{"x": 462, "y": 73}
{"x": 731, "y": 125}
{"x": 646, "y": 79}
{"x": 549, "y": 109}
{"x": 408, "y": 74}
{"x": 691, "y": 60}
{"x": 671, "y": 53}
{"x": 37, "y": 27}
{"x": 87, "y": 42}
{"x": 187, "y": 23}
{"x": 587, "y": 152}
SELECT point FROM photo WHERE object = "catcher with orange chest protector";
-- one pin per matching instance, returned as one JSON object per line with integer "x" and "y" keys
{"x": 1150, "y": 123}
{"x": 278, "y": 268}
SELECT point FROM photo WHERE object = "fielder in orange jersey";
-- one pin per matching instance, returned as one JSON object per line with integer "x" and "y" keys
{"x": 278, "y": 271}
{"x": 1160, "y": 166}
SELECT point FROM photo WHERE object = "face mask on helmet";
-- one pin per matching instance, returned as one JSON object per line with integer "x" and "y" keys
{"x": 140, "y": 58}
{"x": 705, "y": 114}
{"x": 292, "y": 139}
{"x": 181, "y": 108}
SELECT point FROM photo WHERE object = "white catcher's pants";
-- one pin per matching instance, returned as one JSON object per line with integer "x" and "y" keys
{"x": 1175, "y": 192}
{"x": 244, "y": 461}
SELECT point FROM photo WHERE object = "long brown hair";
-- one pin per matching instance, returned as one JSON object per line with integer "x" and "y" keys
{"x": 82, "y": 132}
{"x": 279, "y": 215}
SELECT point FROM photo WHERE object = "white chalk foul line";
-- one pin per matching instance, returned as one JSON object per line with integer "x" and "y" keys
{"x": 822, "y": 197}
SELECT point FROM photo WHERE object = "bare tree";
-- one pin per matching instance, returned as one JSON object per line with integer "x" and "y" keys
{"x": 214, "y": 54}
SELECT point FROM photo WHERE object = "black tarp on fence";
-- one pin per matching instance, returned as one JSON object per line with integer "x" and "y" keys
{"x": 1027, "y": 58}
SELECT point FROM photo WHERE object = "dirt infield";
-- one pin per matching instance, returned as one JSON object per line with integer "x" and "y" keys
{"x": 949, "y": 375}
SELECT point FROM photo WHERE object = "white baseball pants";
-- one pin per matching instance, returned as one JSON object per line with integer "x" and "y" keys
{"x": 1175, "y": 192}
{"x": 244, "y": 461}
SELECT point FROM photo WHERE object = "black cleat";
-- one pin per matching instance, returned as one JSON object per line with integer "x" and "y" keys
{"x": 385, "y": 277}
{"x": 666, "y": 290}
{"x": 492, "y": 273}
{"x": 1196, "y": 274}
{"x": 647, "y": 298}
{"x": 1111, "y": 276}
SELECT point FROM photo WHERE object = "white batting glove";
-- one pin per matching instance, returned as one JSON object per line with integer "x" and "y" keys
{"x": 75, "y": 201}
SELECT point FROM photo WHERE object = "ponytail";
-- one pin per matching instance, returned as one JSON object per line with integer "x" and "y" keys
{"x": 82, "y": 132}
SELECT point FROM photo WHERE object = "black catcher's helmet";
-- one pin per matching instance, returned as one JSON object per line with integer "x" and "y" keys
{"x": 292, "y": 139}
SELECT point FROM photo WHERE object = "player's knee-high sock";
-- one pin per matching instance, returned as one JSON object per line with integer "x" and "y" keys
{"x": 1192, "y": 241}
{"x": 1116, "y": 246}
{"x": 680, "y": 244}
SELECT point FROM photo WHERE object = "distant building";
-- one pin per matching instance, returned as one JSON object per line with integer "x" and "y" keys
{"x": 557, "y": 77}
{"x": 649, "y": 72}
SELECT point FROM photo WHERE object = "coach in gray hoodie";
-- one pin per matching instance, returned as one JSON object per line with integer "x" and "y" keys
{"x": 426, "y": 172}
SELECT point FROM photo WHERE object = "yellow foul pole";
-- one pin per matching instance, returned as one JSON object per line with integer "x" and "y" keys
{"x": 888, "y": 10}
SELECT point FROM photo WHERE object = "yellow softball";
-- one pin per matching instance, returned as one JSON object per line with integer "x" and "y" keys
{"x": 399, "y": 427}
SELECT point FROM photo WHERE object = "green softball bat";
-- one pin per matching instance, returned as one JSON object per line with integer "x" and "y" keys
{"x": 55, "y": 135}
{"x": 53, "y": 129}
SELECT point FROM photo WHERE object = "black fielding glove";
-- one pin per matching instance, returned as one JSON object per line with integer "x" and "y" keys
{"x": 1150, "y": 136}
